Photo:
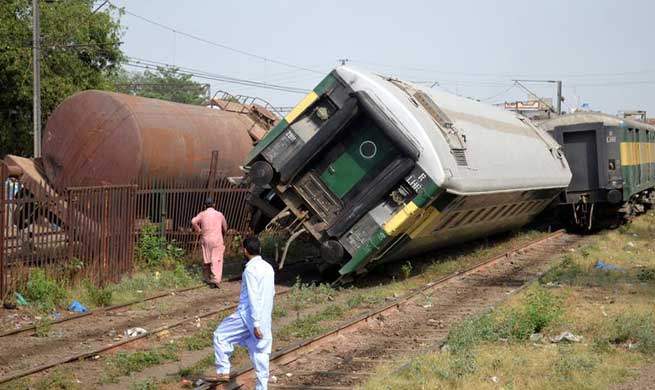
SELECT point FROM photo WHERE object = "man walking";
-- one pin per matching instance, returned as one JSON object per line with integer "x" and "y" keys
{"x": 250, "y": 325}
{"x": 211, "y": 225}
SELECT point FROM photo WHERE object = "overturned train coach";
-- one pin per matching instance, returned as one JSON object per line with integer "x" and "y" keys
{"x": 377, "y": 169}
{"x": 613, "y": 165}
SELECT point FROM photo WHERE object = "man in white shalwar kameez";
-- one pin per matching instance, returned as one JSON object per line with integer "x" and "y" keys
{"x": 250, "y": 325}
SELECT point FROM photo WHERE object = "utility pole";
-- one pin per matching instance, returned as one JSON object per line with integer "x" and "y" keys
{"x": 36, "y": 62}
{"x": 343, "y": 61}
{"x": 558, "y": 107}
{"x": 559, "y": 97}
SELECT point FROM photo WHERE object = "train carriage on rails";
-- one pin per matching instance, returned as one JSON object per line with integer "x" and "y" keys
{"x": 378, "y": 169}
{"x": 613, "y": 165}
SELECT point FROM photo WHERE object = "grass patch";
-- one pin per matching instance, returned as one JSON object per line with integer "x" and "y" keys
{"x": 310, "y": 325}
{"x": 612, "y": 310}
{"x": 145, "y": 384}
{"x": 127, "y": 363}
{"x": 538, "y": 310}
{"x": 57, "y": 380}
{"x": 637, "y": 329}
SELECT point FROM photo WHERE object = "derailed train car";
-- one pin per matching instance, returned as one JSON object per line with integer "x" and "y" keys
{"x": 377, "y": 169}
{"x": 613, "y": 165}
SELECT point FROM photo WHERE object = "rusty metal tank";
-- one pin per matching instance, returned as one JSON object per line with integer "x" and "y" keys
{"x": 99, "y": 138}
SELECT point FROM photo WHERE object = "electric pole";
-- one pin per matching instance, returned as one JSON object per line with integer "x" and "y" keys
{"x": 36, "y": 62}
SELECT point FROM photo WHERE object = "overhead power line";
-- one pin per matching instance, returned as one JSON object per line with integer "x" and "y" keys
{"x": 149, "y": 65}
{"x": 216, "y": 44}
{"x": 475, "y": 74}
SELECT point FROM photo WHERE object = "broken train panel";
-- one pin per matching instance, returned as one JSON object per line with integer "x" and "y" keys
{"x": 376, "y": 169}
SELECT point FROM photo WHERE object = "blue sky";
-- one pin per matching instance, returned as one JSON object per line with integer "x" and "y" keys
{"x": 602, "y": 50}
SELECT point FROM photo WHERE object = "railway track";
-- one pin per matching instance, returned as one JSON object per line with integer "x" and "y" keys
{"x": 89, "y": 334}
{"x": 418, "y": 321}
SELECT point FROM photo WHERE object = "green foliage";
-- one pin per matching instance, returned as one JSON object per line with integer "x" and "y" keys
{"x": 646, "y": 275}
{"x": 406, "y": 269}
{"x": 145, "y": 384}
{"x": 303, "y": 294}
{"x": 637, "y": 329}
{"x": 569, "y": 363}
{"x": 44, "y": 292}
{"x": 80, "y": 50}
{"x": 310, "y": 325}
{"x": 126, "y": 363}
{"x": 43, "y": 327}
{"x": 98, "y": 296}
{"x": 542, "y": 308}
{"x": 166, "y": 83}
{"x": 152, "y": 250}
{"x": 539, "y": 310}
{"x": 567, "y": 271}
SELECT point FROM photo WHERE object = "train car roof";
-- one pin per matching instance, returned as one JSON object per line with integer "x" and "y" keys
{"x": 503, "y": 151}
{"x": 593, "y": 117}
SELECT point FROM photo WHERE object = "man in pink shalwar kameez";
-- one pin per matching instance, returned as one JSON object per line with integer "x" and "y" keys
{"x": 211, "y": 225}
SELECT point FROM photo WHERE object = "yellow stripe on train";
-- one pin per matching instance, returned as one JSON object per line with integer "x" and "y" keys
{"x": 635, "y": 153}
{"x": 398, "y": 221}
{"x": 300, "y": 107}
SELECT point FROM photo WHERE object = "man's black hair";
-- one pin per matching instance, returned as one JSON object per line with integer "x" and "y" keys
{"x": 252, "y": 245}
{"x": 209, "y": 202}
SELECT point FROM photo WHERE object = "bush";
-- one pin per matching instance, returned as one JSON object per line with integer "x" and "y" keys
{"x": 406, "y": 269}
{"x": 154, "y": 251}
{"x": 542, "y": 308}
{"x": 98, "y": 296}
{"x": 44, "y": 292}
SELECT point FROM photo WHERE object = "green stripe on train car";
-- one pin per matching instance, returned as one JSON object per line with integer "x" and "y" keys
{"x": 378, "y": 239}
{"x": 364, "y": 252}
{"x": 423, "y": 198}
{"x": 325, "y": 84}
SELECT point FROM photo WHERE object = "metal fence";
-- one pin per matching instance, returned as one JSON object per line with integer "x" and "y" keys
{"x": 91, "y": 232}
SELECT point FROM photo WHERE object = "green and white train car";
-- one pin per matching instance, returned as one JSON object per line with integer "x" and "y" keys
{"x": 378, "y": 169}
{"x": 613, "y": 164}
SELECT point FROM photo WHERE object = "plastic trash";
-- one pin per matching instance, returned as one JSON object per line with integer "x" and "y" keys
{"x": 20, "y": 300}
{"x": 606, "y": 267}
{"x": 77, "y": 306}
{"x": 55, "y": 315}
{"x": 134, "y": 332}
{"x": 566, "y": 336}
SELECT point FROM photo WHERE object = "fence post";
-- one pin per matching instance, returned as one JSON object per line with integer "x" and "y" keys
{"x": 3, "y": 205}
{"x": 69, "y": 225}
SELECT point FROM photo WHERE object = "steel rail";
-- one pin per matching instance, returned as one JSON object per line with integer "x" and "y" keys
{"x": 88, "y": 354}
{"x": 245, "y": 376}
{"x": 104, "y": 310}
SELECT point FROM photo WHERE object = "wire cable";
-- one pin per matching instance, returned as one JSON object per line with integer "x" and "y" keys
{"x": 215, "y": 77}
{"x": 216, "y": 44}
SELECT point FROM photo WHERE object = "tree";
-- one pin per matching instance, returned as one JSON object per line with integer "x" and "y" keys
{"x": 80, "y": 50}
{"x": 166, "y": 83}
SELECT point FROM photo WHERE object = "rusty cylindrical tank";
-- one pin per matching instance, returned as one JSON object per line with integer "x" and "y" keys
{"x": 99, "y": 138}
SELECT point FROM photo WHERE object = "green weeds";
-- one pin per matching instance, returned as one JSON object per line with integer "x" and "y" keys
{"x": 44, "y": 292}
{"x": 637, "y": 329}
{"x": 126, "y": 363}
{"x": 310, "y": 325}
{"x": 153, "y": 250}
{"x": 98, "y": 296}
